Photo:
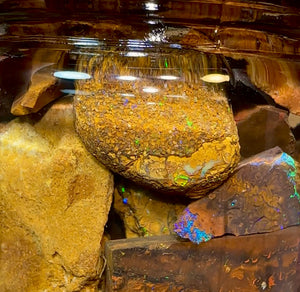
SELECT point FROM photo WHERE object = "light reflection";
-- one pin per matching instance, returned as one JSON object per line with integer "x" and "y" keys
{"x": 151, "y": 6}
{"x": 157, "y": 35}
{"x": 87, "y": 43}
{"x": 73, "y": 92}
{"x": 150, "y": 89}
{"x": 215, "y": 78}
{"x": 153, "y": 22}
{"x": 168, "y": 77}
{"x": 176, "y": 96}
{"x": 74, "y": 75}
{"x": 136, "y": 54}
{"x": 127, "y": 78}
{"x": 175, "y": 46}
{"x": 127, "y": 94}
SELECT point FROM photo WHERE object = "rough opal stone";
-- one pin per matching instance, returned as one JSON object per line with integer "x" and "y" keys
{"x": 261, "y": 196}
{"x": 175, "y": 134}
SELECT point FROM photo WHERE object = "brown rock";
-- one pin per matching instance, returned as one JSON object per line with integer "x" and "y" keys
{"x": 263, "y": 128}
{"x": 144, "y": 212}
{"x": 261, "y": 196}
{"x": 173, "y": 136}
{"x": 55, "y": 199}
{"x": 44, "y": 87}
{"x": 262, "y": 262}
{"x": 277, "y": 77}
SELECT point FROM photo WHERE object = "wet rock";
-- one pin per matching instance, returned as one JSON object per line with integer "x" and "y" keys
{"x": 171, "y": 135}
{"x": 279, "y": 78}
{"x": 262, "y": 128}
{"x": 261, "y": 196}
{"x": 55, "y": 199}
{"x": 261, "y": 262}
{"x": 44, "y": 87}
{"x": 144, "y": 212}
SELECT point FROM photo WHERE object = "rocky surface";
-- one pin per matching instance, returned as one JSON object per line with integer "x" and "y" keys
{"x": 261, "y": 196}
{"x": 260, "y": 262}
{"x": 263, "y": 128}
{"x": 55, "y": 199}
{"x": 172, "y": 135}
{"x": 44, "y": 87}
{"x": 144, "y": 212}
{"x": 277, "y": 77}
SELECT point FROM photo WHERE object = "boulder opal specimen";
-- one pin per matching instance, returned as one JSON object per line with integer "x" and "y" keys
{"x": 145, "y": 212}
{"x": 252, "y": 263}
{"x": 261, "y": 196}
{"x": 153, "y": 120}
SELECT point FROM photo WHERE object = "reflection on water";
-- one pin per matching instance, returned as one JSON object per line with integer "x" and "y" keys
{"x": 175, "y": 101}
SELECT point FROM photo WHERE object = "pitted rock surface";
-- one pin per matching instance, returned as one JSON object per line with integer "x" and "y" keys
{"x": 181, "y": 136}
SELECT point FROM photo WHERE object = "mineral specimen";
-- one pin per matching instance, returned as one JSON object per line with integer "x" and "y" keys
{"x": 260, "y": 262}
{"x": 261, "y": 196}
{"x": 55, "y": 199}
{"x": 144, "y": 212}
{"x": 152, "y": 121}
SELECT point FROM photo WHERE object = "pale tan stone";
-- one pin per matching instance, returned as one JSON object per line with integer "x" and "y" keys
{"x": 55, "y": 198}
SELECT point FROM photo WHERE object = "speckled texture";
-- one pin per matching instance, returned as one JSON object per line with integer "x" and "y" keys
{"x": 145, "y": 212}
{"x": 54, "y": 202}
{"x": 181, "y": 138}
{"x": 261, "y": 196}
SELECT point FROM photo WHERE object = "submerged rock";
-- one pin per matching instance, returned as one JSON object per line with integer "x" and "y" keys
{"x": 261, "y": 196}
{"x": 261, "y": 262}
{"x": 44, "y": 87}
{"x": 144, "y": 212}
{"x": 263, "y": 128}
{"x": 277, "y": 77}
{"x": 55, "y": 198}
{"x": 155, "y": 129}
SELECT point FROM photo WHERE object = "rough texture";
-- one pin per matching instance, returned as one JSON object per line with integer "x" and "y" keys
{"x": 55, "y": 199}
{"x": 144, "y": 212}
{"x": 44, "y": 87}
{"x": 179, "y": 138}
{"x": 261, "y": 196}
{"x": 262, "y": 128}
{"x": 261, "y": 262}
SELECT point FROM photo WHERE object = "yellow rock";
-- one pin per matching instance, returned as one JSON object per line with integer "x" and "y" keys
{"x": 55, "y": 198}
{"x": 144, "y": 212}
{"x": 154, "y": 121}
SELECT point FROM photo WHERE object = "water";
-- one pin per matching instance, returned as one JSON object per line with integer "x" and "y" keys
{"x": 117, "y": 115}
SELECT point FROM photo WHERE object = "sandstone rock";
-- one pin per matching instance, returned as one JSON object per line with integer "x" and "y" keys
{"x": 262, "y": 128}
{"x": 144, "y": 212}
{"x": 55, "y": 199}
{"x": 172, "y": 135}
{"x": 261, "y": 196}
{"x": 261, "y": 262}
